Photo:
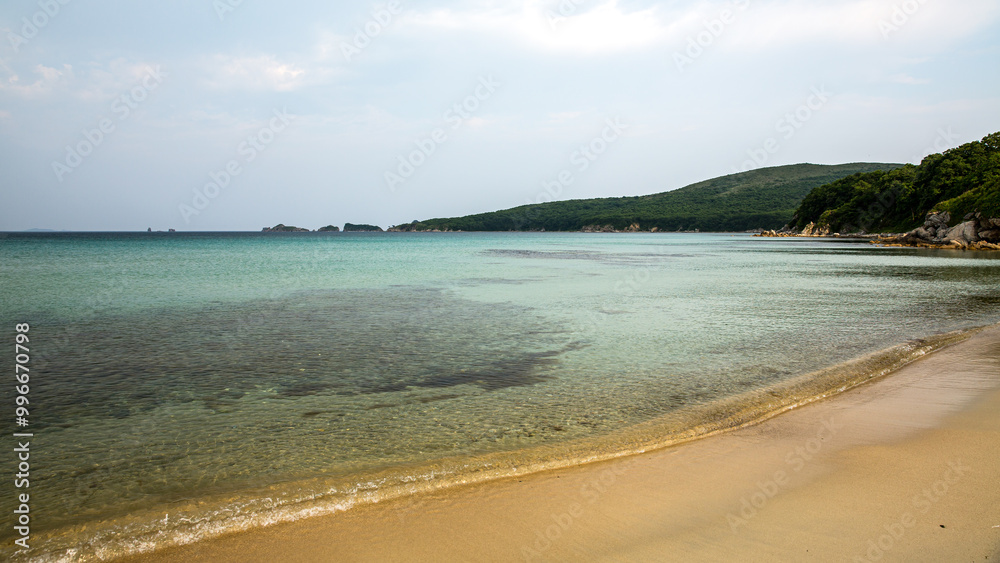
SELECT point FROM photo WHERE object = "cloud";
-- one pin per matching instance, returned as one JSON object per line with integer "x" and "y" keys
{"x": 587, "y": 27}
{"x": 561, "y": 116}
{"x": 566, "y": 27}
{"x": 903, "y": 78}
{"x": 103, "y": 82}
{"x": 48, "y": 78}
{"x": 263, "y": 72}
{"x": 87, "y": 82}
{"x": 781, "y": 23}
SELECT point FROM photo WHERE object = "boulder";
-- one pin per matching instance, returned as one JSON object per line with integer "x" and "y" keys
{"x": 992, "y": 235}
{"x": 937, "y": 220}
{"x": 964, "y": 232}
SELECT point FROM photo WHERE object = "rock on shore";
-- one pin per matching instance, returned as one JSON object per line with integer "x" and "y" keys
{"x": 810, "y": 230}
{"x": 975, "y": 232}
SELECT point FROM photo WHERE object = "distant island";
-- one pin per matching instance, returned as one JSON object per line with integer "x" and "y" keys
{"x": 764, "y": 198}
{"x": 352, "y": 228}
{"x": 349, "y": 227}
{"x": 281, "y": 228}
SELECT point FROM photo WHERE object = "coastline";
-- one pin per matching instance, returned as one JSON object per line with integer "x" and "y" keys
{"x": 975, "y": 232}
{"x": 827, "y": 478}
{"x": 200, "y": 519}
{"x": 900, "y": 240}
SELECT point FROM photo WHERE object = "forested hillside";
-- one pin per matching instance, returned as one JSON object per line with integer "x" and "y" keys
{"x": 960, "y": 181}
{"x": 764, "y": 198}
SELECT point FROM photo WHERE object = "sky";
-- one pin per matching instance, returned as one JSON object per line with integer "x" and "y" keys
{"x": 206, "y": 115}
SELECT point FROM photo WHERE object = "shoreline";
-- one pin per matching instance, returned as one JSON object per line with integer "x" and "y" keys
{"x": 975, "y": 232}
{"x": 900, "y": 240}
{"x": 601, "y": 508}
{"x": 199, "y": 519}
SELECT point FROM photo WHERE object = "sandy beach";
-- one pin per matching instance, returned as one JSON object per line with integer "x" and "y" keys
{"x": 904, "y": 468}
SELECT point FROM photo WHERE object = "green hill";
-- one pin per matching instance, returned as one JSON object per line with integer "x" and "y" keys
{"x": 764, "y": 198}
{"x": 961, "y": 180}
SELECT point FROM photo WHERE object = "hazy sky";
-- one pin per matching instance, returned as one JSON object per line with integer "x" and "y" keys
{"x": 236, "y": 114}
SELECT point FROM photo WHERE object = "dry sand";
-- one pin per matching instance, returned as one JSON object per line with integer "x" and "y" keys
{"x": 903, "y": 469}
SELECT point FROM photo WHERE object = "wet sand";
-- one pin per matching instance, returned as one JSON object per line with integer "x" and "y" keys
{"x": 904, "y": 468}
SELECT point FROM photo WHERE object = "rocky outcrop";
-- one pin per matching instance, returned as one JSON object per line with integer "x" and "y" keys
{"x": 810, "y": 230}
{"x": 329, "y": 229}
{"x": 598, "y": 229}
{"x": 633, "y": 228}
{"x": 975, "y": 232}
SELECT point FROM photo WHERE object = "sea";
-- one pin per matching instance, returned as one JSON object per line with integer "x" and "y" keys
{"x": 188, "y": 385}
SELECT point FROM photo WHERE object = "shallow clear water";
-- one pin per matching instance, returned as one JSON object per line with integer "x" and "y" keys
{"x": 210, "y": 378}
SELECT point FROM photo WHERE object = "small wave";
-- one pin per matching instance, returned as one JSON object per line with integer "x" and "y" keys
{"x": 200, "y": 519}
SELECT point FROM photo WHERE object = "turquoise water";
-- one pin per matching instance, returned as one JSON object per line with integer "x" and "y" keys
{"x": 185, "y": 385}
